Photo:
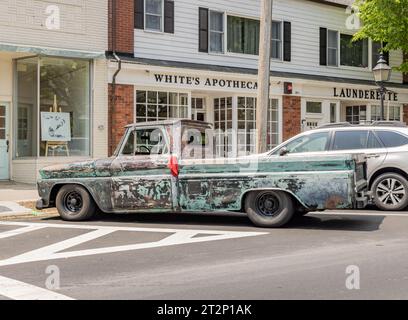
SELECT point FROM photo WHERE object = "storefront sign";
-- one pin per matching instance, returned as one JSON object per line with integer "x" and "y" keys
{"x": 206, "y": 82}
{"x": 363, "y": 94}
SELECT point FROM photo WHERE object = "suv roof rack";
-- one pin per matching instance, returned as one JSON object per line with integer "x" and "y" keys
{"x": 397, "y": 124}
{"x": 335, "y": 125}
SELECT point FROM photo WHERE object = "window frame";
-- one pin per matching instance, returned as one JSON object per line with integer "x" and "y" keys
{"x": 337, "y": 48}
{"x": 156, "y": 15}
{"x": 223, "y": 33}
{"x": 280, "y": 40}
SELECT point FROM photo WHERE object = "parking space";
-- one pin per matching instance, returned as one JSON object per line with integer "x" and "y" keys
{"x": 200, "y": 256}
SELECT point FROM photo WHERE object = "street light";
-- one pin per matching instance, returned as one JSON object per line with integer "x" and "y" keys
{"x": 382, "y": 74}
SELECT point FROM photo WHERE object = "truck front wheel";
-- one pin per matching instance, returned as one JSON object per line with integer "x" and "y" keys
{"x": 269, "y": 209}
{"x": 74, "y": 203}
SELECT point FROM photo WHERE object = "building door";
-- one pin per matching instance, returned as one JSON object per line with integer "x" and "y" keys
{"x": 4, "y": 143}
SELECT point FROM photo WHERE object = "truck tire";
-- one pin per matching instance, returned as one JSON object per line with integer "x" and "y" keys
{"x": 269, "y": 209}
{"x": 74, "y": 203}
{"x": 390, "y": 192}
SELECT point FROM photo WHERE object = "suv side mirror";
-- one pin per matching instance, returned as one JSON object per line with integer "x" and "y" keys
{"x": 283, "y": 152}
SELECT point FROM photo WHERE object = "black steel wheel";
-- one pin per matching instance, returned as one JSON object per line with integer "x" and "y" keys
{"x": 269, "y": 208}
{"x": 74, "y": 203}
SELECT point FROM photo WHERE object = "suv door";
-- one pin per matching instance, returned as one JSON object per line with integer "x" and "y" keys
{"x": 141, "y": 179}
{"x": 362, "y": 141}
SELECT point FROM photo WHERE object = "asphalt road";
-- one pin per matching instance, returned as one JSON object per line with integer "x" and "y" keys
{"x": 206, "y": 257}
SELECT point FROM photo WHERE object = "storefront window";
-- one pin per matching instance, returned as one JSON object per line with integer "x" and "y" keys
{"x": 392, "y": 113}
{"x": 247, "y": 124}
{"x": 356, "y": 114}
{"x": 223, "y": 126}
{"x": 27, "y": 108}
{"x": 160, "y": 105}
{"x": 60, "y": 125}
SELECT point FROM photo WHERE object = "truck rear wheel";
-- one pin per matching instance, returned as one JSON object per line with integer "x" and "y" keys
{"x": 269, "y": 209}
{"x": 74, "y": 203}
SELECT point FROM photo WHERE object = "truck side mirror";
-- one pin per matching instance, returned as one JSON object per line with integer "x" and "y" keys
{"x": 283, "y": 152}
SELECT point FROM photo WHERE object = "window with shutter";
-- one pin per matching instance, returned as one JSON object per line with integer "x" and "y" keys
{"x": 287, "y": 41}
{"x": 139, "y": 14}
{"x": 323, "y": 46}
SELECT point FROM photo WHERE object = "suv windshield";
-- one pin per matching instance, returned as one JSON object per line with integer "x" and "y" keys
{"x": 315, "y": 142}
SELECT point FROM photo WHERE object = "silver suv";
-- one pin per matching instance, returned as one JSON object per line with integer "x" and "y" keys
{"x": 385, "y": 145}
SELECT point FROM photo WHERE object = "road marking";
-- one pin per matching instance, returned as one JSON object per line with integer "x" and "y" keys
{"x": 18, "y": 290}
{"x": 53, "y": 251}
{"x": 363, "y": 214}
{"x": 16, "y": 232}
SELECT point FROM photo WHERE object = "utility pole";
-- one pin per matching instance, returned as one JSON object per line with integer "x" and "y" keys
{"x": 263, "y": 75}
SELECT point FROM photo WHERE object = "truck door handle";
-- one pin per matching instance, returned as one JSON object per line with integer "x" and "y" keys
{"x": 8, "y": 145}
{"x": 371, "y": 156}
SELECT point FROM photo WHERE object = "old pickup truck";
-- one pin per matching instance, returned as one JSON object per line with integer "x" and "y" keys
{"x": 168, "y": 166}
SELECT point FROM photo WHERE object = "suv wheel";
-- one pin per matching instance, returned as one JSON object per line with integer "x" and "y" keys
{"x": 390, "y": 192}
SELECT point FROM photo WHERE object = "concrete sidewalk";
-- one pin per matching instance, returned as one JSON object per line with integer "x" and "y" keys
{"x": 12, "y": 194}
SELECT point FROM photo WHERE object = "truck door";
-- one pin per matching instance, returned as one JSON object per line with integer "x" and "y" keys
{"x": 141, "y": 180}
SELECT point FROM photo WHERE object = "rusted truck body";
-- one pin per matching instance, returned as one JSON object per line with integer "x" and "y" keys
{"x": 168, "y": 166}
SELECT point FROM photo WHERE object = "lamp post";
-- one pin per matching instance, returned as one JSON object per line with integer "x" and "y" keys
{"x": 382, "y": 74}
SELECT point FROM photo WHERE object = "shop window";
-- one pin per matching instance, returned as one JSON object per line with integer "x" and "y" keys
{"x": 391, "y": 113}
{"x": 198, "y": 109}
{"x": 356, "y": 114}
{"x": 247, "y": 124}
{"x": 216, "y": 31}
{"x": 223, "y": 126}
{"x": 160, "y": 105}
{"x": 353, "y": 54}
{"x": 313, "y": 107}
{"x": 62, "y": 120}
{"x": 154, "y": 15}
{"x": 243, "y": 35}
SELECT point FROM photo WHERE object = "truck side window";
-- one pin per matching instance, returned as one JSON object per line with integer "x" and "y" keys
{"x": 392, "y": 139}
{"x": 142, "y": 142}
{"x": 314, "y": 142}
{"x": 350, "y": 140}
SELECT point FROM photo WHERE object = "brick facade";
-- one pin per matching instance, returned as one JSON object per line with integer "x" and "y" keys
{"x": 121, "y": 114}
{"x": 291, "y": 116}
{"x": 124, "y": 27}
{"x": 405, "y": 115}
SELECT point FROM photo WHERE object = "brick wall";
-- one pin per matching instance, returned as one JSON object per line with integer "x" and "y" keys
{"x": 124, "y": 40}
{"x": 405, "y": 116}
{"x": 121, "y": 114}
{"x": 405, "y": 75}
{"x": 291, "y": 116}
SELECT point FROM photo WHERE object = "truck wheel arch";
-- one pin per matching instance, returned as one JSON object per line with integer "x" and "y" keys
{"x": 291, "y": 194}
{"x": 57, "y": 187}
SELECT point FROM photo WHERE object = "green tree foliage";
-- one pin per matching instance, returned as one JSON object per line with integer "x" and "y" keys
{"x": 385, "y": 21}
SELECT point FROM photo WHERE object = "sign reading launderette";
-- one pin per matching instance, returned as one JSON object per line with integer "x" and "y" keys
{"x": 207, "y": 82}
{"x": 363, "y": 94}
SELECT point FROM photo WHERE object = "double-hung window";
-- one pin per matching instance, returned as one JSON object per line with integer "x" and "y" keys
{"x": 353, "y": 54}
{"x": 243, "y": 35}
{"x": 216, "y": 31}
{"x": 332, "y": 48}
{"x": 276, "y": 48}
{"x": 154, "y": 15}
